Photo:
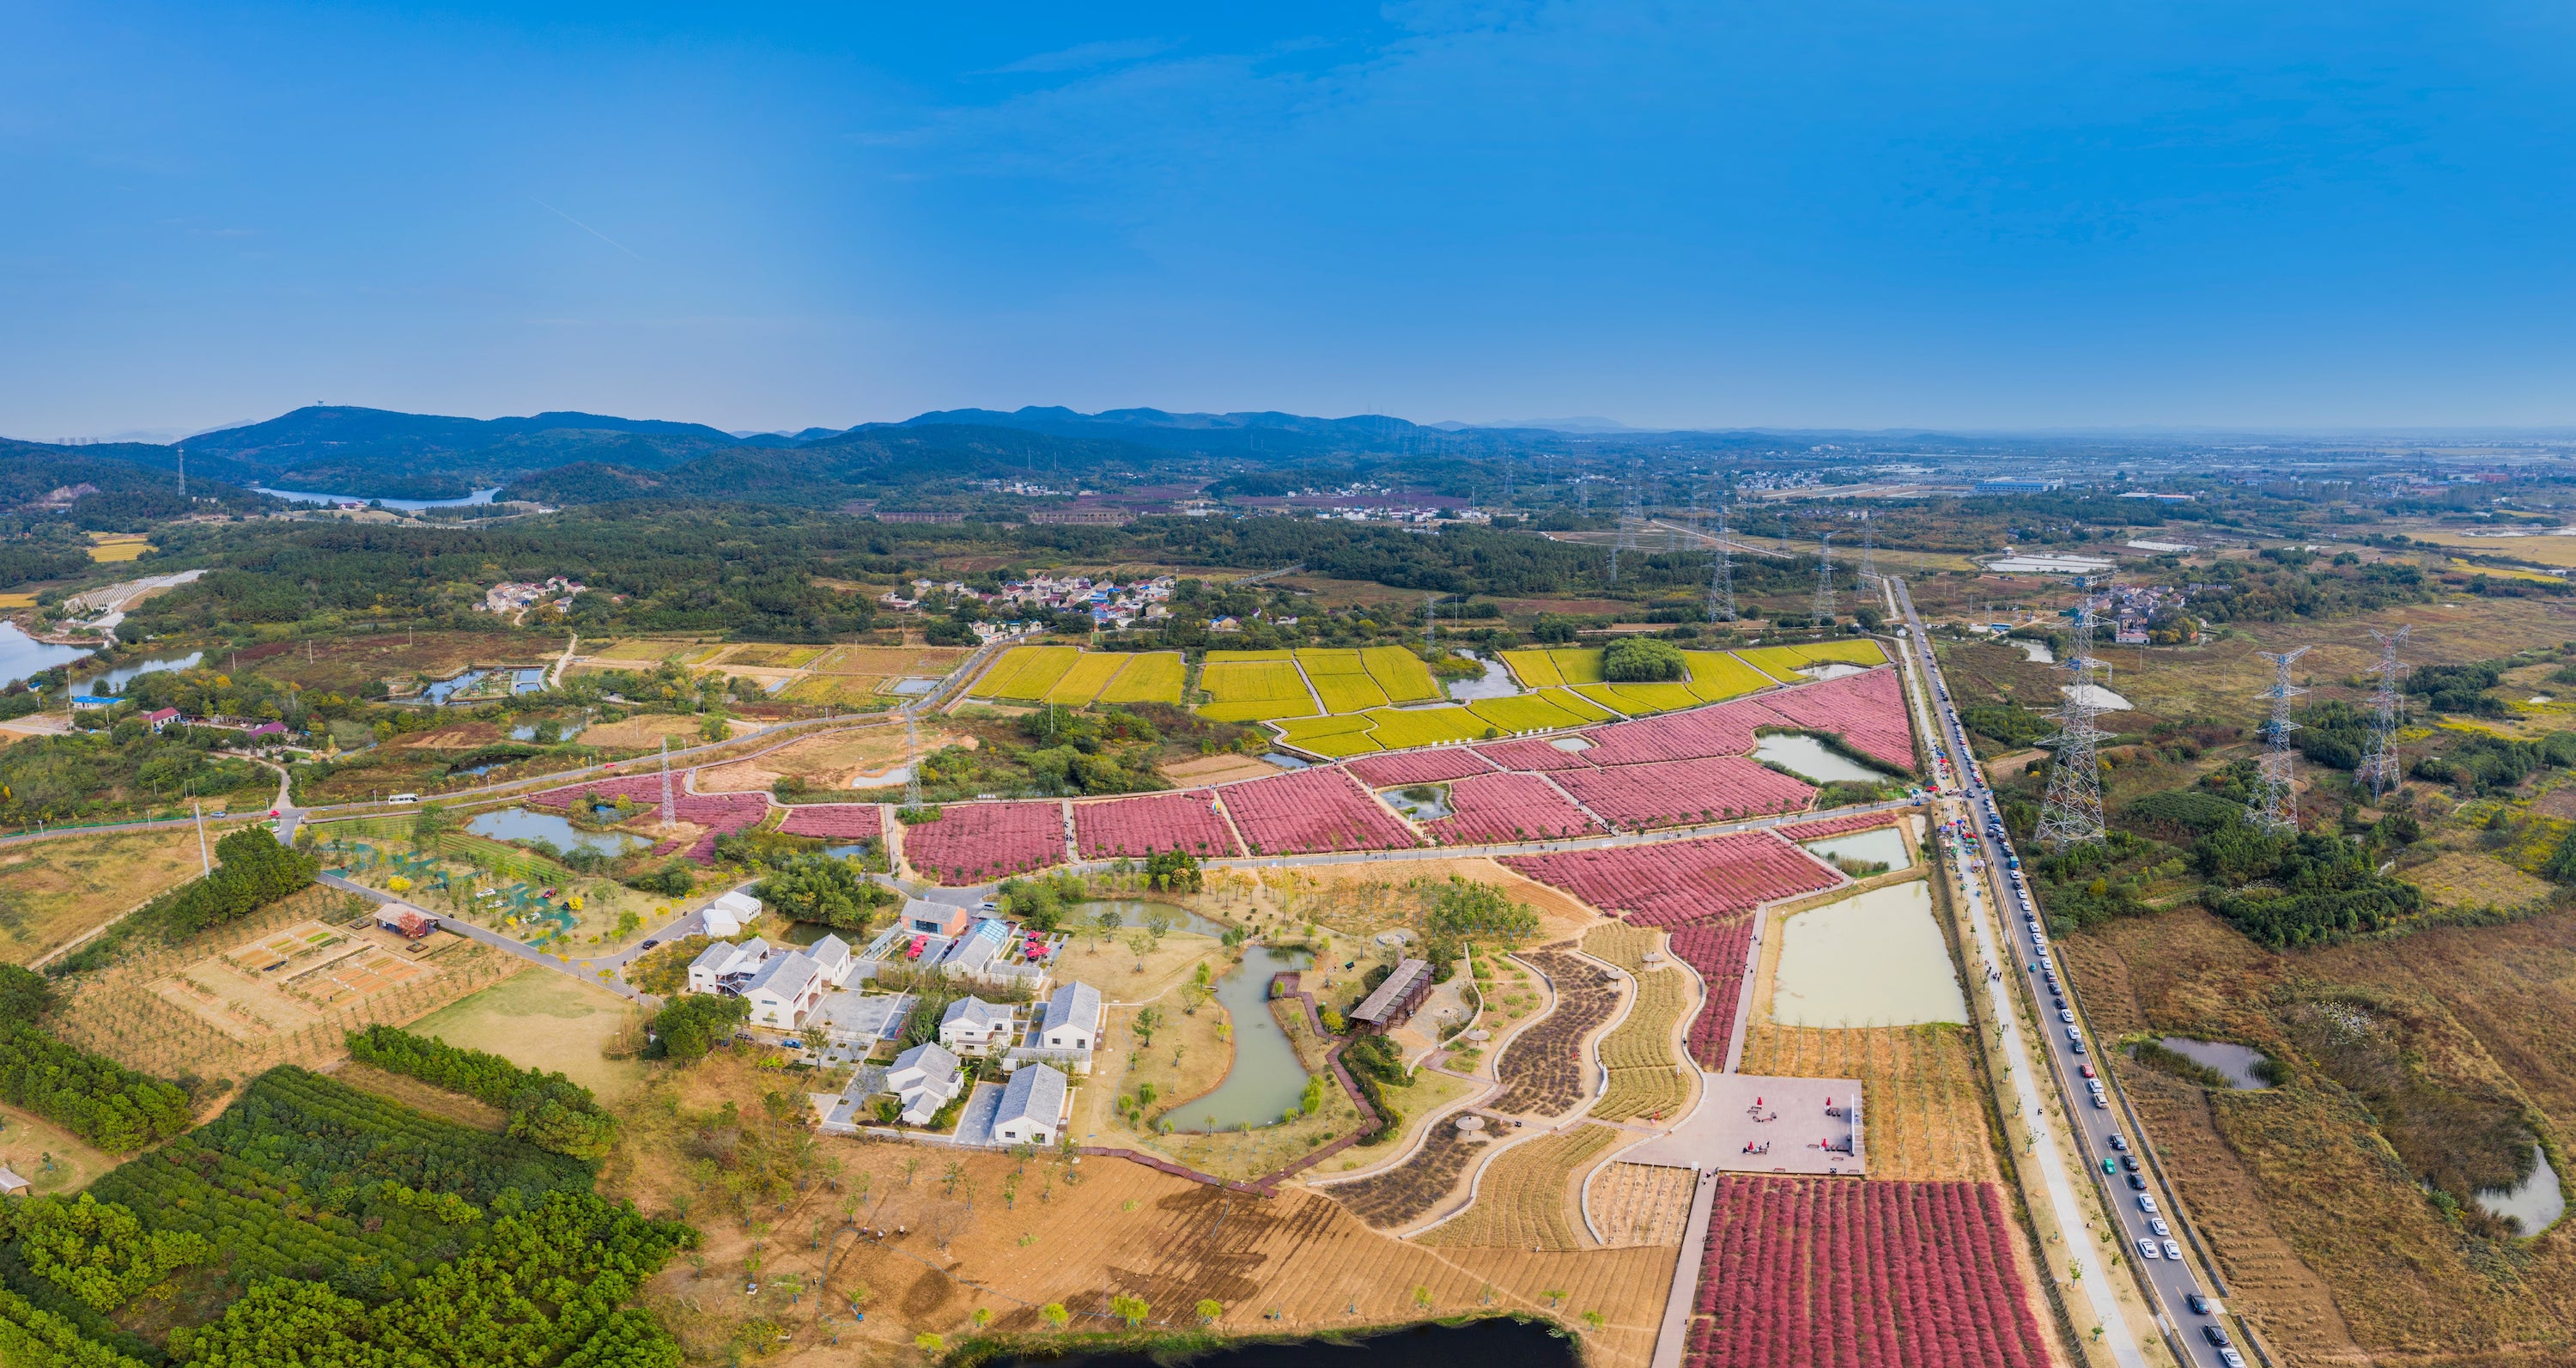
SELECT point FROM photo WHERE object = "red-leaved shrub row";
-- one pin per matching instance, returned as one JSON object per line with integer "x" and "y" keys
{"x": 1186, "y": 822}
{"x": 1312, "y": 810}
{"x": 1716, "y": 950}
{"x": 1838, "y": 1273}
{"x": 1418, "y": 767}
{"x": 1866, "y": 710}
{"x": 1840, "y": 826}
{"x": 1681, "y": 881}
{"x": 645, "y": 790}
{"x": 1534, "y": 754}
{"x": 722, "y": 814}
{"x": 836, "y": 821}
{"x": 973, "y": 842}
{"x": 1726, "y": 729}
{"x": 1508, "y": 807}
{"x": 1718, "y": 788}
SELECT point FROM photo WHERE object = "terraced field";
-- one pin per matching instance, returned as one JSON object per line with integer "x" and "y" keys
{"x": 1524, "y": 1197}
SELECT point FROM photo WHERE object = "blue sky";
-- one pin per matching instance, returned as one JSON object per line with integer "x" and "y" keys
{"x": 2044, "y": 215}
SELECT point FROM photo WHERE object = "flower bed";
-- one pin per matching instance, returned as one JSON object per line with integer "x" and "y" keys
{"x": 1419, "y": 767}
{"x": 1534, "y": 755}
{"x": 642, "y": 789}
{"x": 1867, "y": 711}
{"x": 973, "y": 842}
{"x": 1681, "y": 881}
{"x": 1312, "y": 810}
{"x": 722, "y": 814}
{"x": 1726, "y": 729}
{"x": 1683, "y": 792}
{"x": 1542, "y": 1068}
{"x": 836, "y": 821}
{"x": 1508, "y": 807}
{"x": 1716, "y": 950}
{"x": 1840, "y": 826}
{"x": 1873, "y": 1275}
{"x": 1140, "y": 826}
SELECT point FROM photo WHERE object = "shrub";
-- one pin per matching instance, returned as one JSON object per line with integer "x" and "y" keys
{"x": 689, "y": 1026}
{"x": 1632, "y": 660}
{"x": 547, "y": 1110}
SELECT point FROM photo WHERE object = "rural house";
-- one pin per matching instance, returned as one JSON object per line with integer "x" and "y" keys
{"x": 973, "y": 1026}
{"x": 925, "y": 1077}
{"x": 1032, "y": 1107}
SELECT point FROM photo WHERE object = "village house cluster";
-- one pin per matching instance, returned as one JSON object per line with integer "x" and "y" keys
{"x": 516, "y": 597}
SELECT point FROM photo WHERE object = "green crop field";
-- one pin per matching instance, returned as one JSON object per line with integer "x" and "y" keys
{"x": 1153, "y": 677}
{"x": 1527, "y": 713}
{"x": 1401, "y": 674}
{"x": 1560, "y": 665}
{"x": 1397, "y": 728}
{"x": 1716, "y": 676}
{"x": 1254, "y": 686}
{"x": 1081, "y": 683}
{"x": 1025, "y": 673}
{"x": 1332, "y": 737}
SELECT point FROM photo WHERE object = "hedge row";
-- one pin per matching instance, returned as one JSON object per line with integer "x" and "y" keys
{"x": 547, "y": 1110}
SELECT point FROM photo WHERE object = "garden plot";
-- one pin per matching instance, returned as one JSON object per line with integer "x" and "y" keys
{"x": 1524, "y": 1197}
{"x": 1638, "y": 1204}
{"x": 1394, "y": 1198}
{"x": 1544, "y": 1069}
{"x": 972, "y": 842}
{"x": 286, "y": 979}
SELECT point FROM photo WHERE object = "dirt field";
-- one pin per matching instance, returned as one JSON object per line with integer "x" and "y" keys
{"x": 1216, "y": 769}
{"x": 1924, "y": 1101}
{"x": 1641, "y": 1204}
{"x": 287, "y": 978}
{"x": 1362, "y": 900}
{"x": 51, "y": 1159}
{"x": 835, "y": 760}
{"x": 541, "y": 1019}
{"x": 53, "y": 891}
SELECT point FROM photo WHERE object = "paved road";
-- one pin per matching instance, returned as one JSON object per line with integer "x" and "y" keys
{"x": 2021, "y": 959}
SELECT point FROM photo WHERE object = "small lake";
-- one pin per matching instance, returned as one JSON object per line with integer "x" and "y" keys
{"x": 2036, "y": 652}
{"x": 1284, "y": 760}
{"x": 2235, "y": 1061}
{"x": 480, "y": 496}
{"x": 521, "y": 681}
{"x": 1265, "y": 1079}
{"x": 522, "y": 824}
{"x": 1813, "y": 760}
{"x": 1872, "y": 959}
{"x": 22, "y": 655}
{"x": 1833, "y": 669}
{"x": 115, "y": 680}
{"x": 1879, "y": 845}
{"x": 2536, "y": 1202}
{"x": 1427, "y": 809}
{"x": 1497, "y": 1343}
{"x": 912, "y": 688}
{"x": 1497, "y": 682}
{"x": 2098, "y": 696}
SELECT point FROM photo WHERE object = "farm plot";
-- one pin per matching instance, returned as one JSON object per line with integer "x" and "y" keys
{"x": 1340, "y": 680}
{"x": 1541, "y": 755}
{"x": 1927, "y": 1112}
{"x": 1330, "y": 737}
{"x": 1718, "y": 953}
{"x": 1140, "y": 826}
{"x": 1824, "y": 1270}
{"x": 836, "y": 821}
{"x": 1406, "y": 1193}
{"x": 1867, "y": 711}
{"x": 1538, "y": 669}
{"x": 1508, "y": 807}
{"x": 1682, "y": 792}
{"x": 1148, "y": 677}
{"x": 52, "y": 892}
{"x": 1639, "y": 700}
{"x": 1717, "y": 676}
{"x": 1681, "y": 881}
{"x": 1522, "y": 1196}
{"x": 1645, "y": 1080}
{"x": 1535, "y": 712}
{"x": 1254, "y": 686}
{"x": 718, "y": 814}
{"x": 973, "y": 842}
{"x": 1784, "y": 662}
{"x": 1542, "y": 1068}
{"x": 288, "y": 976}
{"x": 1419, "y": 767}
{"x": 1025, "y": 673}
{"x": 1313, "y": 810}
{"x": 1723, "y": 730}
{"x": 1641, "y": 1204}
{"x": 1403, "y": 728}
{"x": 1084, "y": 680}
{"x": 1401, "y": 674}
{"x": 1840, "y": 826}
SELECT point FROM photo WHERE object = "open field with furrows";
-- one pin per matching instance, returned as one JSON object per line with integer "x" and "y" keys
{"x": 1921, "y": 1094}
{"x": 53, "y": 892}
{"x": 1641, "y": 1204}
{"x": 1545, "y": 1069}
{"x": 1434, "y": 1176}
{"x": 138, "y": 1014}
{"x": 1007, "y": 1236}
{"x": 1525, "y": 1198}
{"x": 2424, "y": 1055}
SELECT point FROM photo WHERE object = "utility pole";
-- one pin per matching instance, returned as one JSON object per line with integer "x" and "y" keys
{"x": 205, "y": 862}
{"x": 2072, "y": 812}
{"x": 2380, "y": 768}
{"x": 670, "y": 809}
{"x": 2276, "y": 803}
{"x": 1825, "y": 581}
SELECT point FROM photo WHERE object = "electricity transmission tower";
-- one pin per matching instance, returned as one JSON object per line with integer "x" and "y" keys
{"x": 912, "y": 770}
{"x": 670, "y": 809}
{"x": 1628, "y": 519}
{"x": 1430, "y": 621}
{"x": 2071, "y": 814}
{"x": 1721, "y": 576}
{"x": 2380, "y": 767}
{"x": 2276, "y": 805}
{"x": 1868, "y": 552}
{"x": 1825, "y": 579}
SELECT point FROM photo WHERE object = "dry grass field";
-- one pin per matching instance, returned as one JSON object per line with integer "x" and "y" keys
{"x": 2310, "y": 1193}
{"x": 51, "y": 1159}
{"x": 541, "y": 1019}
{"x": 1525, "y": 1198}
{"x": 1008, "y": 1237}
{"x": 644, "y": 732}
{"x": 2463, "y": 879}
{"x": 53, "y": 892}
{"x": 1923, "y": 1097}
{"x": 833, "y": 760}
{"x": 1641, "y": 1204}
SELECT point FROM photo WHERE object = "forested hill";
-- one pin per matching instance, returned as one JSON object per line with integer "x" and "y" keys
{"x": 831, "y": 470}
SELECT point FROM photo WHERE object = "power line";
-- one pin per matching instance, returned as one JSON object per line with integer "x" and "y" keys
{"x": 1825, "y": 580}
{"x": 1721, "y": 575}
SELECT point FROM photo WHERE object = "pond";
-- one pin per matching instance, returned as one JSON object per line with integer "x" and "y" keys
{"x": 1284, "y": 760}
{"x": 2535, "y": 1204}
{"x": 1878, "y": 845}
{"x": 522, "y": 824}
{"x": 22, "y": 655}
{"x": 521, "y": 681}
{"x": 114, "y": 681}
{"x": 2235, "y": 1061}
{"x": 1832, "y": 669}
{"x": 1872, "y": 959}
{"x": 2036, "y": 652}
{"x": 2098, "y": 696}
{"x": 1813, "y": 760}
{"x": 1265, "y": 1079}
{"x": 1496, "y": 682}
{"x": 1497, "y": 1343}
{"x": 912, "y": 688}
{"x": 1430, "y": 807}
{"x": 480, "y": 496}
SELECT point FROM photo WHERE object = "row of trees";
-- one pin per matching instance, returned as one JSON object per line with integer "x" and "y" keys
{"x": 97, "y": 1099}
{"x": 547, "y": 1110}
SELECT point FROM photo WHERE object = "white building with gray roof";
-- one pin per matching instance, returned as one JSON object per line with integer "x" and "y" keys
{"x": 1032, "y": 1111}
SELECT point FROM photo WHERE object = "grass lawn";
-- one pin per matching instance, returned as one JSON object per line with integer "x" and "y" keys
{"x": 540, "y": 1019}
{"x": 52, "y": 891}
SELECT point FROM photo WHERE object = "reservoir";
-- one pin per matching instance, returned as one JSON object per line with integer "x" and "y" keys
{"x": 1878, "y": 845}
{"x": 115, "y": 680}
{"x": 1496, "y": 683}
{"x": 22, "y": 655}
{"x": 480, "y": 496}
{"x": 1872, "y": 959}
